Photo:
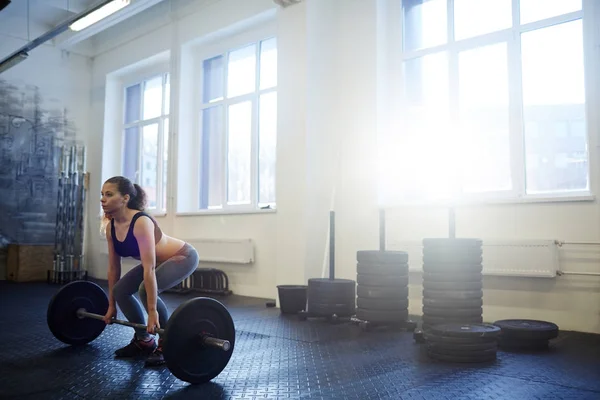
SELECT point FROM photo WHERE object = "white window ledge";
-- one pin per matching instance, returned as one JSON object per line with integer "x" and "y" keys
{"x": 225, "y": 212}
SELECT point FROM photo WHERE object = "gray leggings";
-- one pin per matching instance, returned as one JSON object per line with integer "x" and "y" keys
{"x": 168, "y": 274}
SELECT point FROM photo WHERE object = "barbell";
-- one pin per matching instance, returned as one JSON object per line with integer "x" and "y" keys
{"x": 198, "y": 340}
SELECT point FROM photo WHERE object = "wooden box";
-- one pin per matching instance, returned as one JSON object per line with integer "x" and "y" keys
{"x": 28, "y": 262}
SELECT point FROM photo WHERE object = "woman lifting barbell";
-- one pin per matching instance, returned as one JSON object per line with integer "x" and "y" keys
{"x": 165, "y": 262}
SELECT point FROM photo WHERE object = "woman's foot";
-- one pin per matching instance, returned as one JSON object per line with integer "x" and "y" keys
{"x": 156, "y": 358}
{"x": 137, "y": 347}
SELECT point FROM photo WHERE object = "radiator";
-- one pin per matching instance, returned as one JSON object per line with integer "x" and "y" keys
{"x": 532, "y": 258}
{"x": 229, "y": 251}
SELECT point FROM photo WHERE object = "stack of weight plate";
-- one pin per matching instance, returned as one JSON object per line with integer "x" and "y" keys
{"x": 452, "y": 281}
{"x": 525, "y": 334}
{"x": 382, "y": 290}
{"x": 330, "y": 298}
{"x": 469, "y": 343}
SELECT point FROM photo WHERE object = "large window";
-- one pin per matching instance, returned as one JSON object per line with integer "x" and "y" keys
{"x": 145, "y": 137}
{"x": 238, "y": 128}
{"x": 494, "y": 100}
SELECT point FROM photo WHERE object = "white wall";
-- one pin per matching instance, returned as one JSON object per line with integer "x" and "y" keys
{"x": 330, "y": 100}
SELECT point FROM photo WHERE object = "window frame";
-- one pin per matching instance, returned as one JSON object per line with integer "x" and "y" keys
{"x": 141, "y": 78}
{"x": 223, "y": 48}
{"x": 512, "y": 37}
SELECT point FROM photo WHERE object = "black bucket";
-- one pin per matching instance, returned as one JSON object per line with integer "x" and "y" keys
{"x": 292, "y": 298}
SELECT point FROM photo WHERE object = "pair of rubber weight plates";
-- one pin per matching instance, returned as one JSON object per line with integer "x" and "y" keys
{"x": 467, "y": 343}
{"x": 382, "y": 286}
{"x": 327, "y": 297}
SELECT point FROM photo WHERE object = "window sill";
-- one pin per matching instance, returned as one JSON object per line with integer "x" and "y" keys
{"x": 225, "y": 212}
{"x": 530, "y": 199}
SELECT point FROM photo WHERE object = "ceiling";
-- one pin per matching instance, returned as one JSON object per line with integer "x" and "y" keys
{"x": 43, "y": 13}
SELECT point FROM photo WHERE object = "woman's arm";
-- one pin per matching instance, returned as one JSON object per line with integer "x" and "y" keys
{"x": 144, "y": 233}
{"x": 114, "y": 268}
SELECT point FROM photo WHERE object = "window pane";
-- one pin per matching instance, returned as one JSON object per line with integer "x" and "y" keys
{"x": 150, "y": 163}
{"x": 153, "y": 97}
{"x": 535, "y": 10}
{"x": 239, "y": 152}
{"x": 165, "y": 161}
{"x": 554, "y": 108}
{"x": 167, "y": 105}
{"x": 268, "y": 63}
{"x": 132, "y": 103}
{"x": 131, "y": 145}
{"x": 267, "y": 125}
{"x": 425, "y": 23}
{"x": 478, "y": 17}
{"x": 211, "y": 153}
{"x": 241, "y": 71}
{"x": 213, "y": 79}
{"x": 424, "y": 122}
{"x": 483, "y": 150}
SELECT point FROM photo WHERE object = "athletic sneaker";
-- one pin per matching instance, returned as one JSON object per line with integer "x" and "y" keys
{"x": 136, "y": 348}
{"x": 156, "y": 358}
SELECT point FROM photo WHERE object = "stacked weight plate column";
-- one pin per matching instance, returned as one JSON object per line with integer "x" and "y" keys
{"x": 452, "y": 281}
{"x": 382, "y": 287}
{"x": 330, "y": 298}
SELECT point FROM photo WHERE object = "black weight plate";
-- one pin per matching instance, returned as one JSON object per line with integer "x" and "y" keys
{"x": 464, "y": 348}
{"x": 527, "y": 329}
{"x": 332, "y": 292}
{"x": 451, "y": 303}
{"x": 429, "y": 320}
{"x": 452, "y": 341}
{"x": 331, "y": 284}
{"x": 466, "y": 330}
{"x": 452, "y": 276}
{"x": 453, "y": 267}
{"x": 382, "y": 304}
{"x": 453, "y": 294}
{"x": 452, "y": 242}
{"x": 381, "y": 257}
{"x": 378, "y": 292}
{"x": 187, "y": 358}
{"x": 364, "y": 314}
{"x": 382, "y": 280}
{"x": 62, "y": 317}
{"x": 326, "y": 309}
{"x": 452, "y": 251}
{"x": 452, "y": 312}
{"x": 329, "y": 299}
{"x": 382, "y": 269}
{"x": 451, "y": 259}
{"x": 477, "y": 285}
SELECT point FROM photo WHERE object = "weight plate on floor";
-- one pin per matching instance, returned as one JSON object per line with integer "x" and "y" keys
{"x": 452, "y": 242}
{"x": 440, "y": 276}
{"x": 466, "y": 330}
{"x": 527, "y": 329}
{"x": 62, "y": 318}
{"x": 187, "y": 358}
{"x": 364, "y": 314}
{"x": 451, "y": 259}
{"x": 382, "y": 280}
{"x": 452, "y": 285}
{"x": 451, "y": 303}
{"x": 462, "y": 348}
{"x": 452, "y": 312}
{"x": 382, "y": 304}
{"x": 381, "y": 257}
{"x": 382, "y": 269}
{"x": 453, "y": 267}
{"x": 464, "y": 358}
{"x": 431, "y": 320}
{"x": 455, "y": 341}
{"x": 378, "y": 292}
{"x": 331, "y": 284}
{"x": 453, "y": 294}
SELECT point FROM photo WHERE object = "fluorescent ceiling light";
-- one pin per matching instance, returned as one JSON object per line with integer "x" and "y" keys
{"x": 99, "y": 14}
{"x": 12, "y": 61}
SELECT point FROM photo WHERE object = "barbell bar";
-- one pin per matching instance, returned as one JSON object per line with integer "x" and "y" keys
{"x": 206, "y": 340}
{"x": 198, "y": 340}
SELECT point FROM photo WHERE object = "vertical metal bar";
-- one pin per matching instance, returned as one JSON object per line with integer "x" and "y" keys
{"x": 382, "y": 230}
{"x": 332, "y": 245}
{"x": 451, "y": 223}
